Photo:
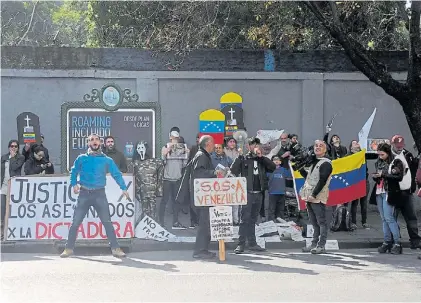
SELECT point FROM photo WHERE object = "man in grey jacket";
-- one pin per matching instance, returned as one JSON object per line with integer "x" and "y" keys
{"x": 203, "y": 168}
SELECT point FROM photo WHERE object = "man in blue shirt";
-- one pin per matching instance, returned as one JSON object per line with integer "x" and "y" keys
{"x": 92, "y": 169}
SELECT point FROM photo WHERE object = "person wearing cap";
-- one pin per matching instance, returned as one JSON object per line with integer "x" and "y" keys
{"x": 254, "y": 167}
{"x": 408, "y": 187}
{"x": 26, "y": 151}
{"x": 173, "y": 172}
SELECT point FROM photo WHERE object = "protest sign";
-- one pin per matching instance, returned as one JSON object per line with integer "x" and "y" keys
{"x": 150, "y": 229}
{"x": 220, "y": 191}
{"x": 41, "y": 208}
{"x": 267, "y": 136}
{"x": 221, "y": 227}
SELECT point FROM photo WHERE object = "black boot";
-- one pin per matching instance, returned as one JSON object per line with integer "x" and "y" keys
{"x": 386, "y": 247}
{"x": 396, "y": 249}
{"x": 415, "y": 244}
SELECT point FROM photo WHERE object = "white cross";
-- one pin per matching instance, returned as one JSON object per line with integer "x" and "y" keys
{"x": 27, "y": 119}
{"x": 232, "y": 112}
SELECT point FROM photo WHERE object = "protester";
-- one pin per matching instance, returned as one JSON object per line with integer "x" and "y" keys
{"x": 219, "y": 157}
{"x": 37, "y": 164}
{"x": 231, "y": 148}
{"x": 173, "y": 171}
{"x": 11, "y": 166}
{"x": 92, "y": 168}
{"x": 315, "y": 192}
{"x": 407, "y": 186}
{"x": 111, "y": 151}
{"x": 202, "y": 168}
{"x": 254, "y": 167}
{"x": 276, "y": 185}
{"x": 355, "y": 147}
{"x": 389, "y": 172}
{"x": 335, "y": 149}
{"x": 26, "y": 151}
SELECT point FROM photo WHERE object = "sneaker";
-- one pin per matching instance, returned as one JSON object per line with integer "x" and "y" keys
{"x": 396, "y": 249}
{"x": 177, "y": 225}
{"x": 318, "y": 250}
{"x": 366, "y": 226}
{"x": 204, "y": 255}
{"x": 354, "y": 226}
{"x": 308, "y": 249}
{"x": 193, "y": 225}
{"x": 66, "y": 253}
{"x": 257, "y": 248}
{"x": 386, "y": 247}
{"x": 118, "y": 253}
{"x": 239, "y": 249}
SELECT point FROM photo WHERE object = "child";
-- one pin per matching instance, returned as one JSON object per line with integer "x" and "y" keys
{"x": 277, "y": 190}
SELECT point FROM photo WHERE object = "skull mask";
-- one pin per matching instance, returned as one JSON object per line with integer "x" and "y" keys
{"x": 141, "y": 148}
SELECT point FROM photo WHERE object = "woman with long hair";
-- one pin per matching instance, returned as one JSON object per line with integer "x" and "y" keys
{"x": 389, "y": 173}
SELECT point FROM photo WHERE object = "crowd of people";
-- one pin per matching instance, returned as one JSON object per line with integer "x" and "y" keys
{"x": 267, "y": 171}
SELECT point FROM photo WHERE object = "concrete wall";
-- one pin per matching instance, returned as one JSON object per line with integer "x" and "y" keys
{"x": 301, "y": 103}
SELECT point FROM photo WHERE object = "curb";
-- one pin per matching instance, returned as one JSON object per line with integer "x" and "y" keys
{"x": 139, "y": 245}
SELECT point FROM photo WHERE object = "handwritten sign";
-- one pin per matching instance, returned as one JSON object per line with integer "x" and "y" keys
{"x": 221, "y": 223}
{"x": 150, "y": 229}
{"x": 220, "y": 191}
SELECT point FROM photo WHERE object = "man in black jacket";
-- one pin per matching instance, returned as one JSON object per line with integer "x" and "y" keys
{"x": 202, "y": 168}
{"x": 253, "y": 167}
{"x": 26, "y": 151}
{"x": 11, "y": 165}
{"x": 111, "y": 151}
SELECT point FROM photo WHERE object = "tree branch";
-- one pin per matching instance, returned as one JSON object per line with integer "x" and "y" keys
{"x": 29, "y": 25}
{"x": 414, "y": 64}
{"x": 358, "y": 55}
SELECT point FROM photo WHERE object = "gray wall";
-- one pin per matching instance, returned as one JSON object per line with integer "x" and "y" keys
{"x": 301, "y": 103}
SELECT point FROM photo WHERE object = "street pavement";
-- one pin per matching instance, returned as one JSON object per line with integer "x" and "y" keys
{"x": 280, "y": 275}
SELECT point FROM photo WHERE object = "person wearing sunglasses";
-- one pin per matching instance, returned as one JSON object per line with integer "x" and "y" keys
{"x": 37, "y": 164}
{"x": 11, "y": 165}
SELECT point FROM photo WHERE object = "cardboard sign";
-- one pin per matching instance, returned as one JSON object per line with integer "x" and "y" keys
{"x": 28, "y": 128}
{"x": 221, "y": 227}
{"x": 42, "y": 207}
{"x": 220, "y": 191}
{"x": 150, "y": 229}
{"x": 234, "y": 119}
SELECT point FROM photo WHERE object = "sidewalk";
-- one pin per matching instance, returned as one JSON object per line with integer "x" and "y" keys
{"x": 360, "y": 238}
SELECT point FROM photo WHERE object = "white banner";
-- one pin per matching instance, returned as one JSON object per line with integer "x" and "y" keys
{"x": 41, "y": 208}
{"x": 267, "y": 136}
{"x": 221, "y": 227}
{"x": 220, "y": 191}
{"x": 150, "y": 229}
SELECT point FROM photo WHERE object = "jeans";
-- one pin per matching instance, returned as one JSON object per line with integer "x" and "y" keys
{"x": 98, "y": 200}
{"x": 170, "y": 189}
{"x": 406, "y": 207}
{"x": 276, "y": 207}
{"x": 203, "y": 236}
{"x": 317, "y": 217}
{"x": 388, "y": 215}
{"x": 248, "y": 218}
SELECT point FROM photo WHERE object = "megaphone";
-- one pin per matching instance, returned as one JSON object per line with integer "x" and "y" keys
{"x": 240, "y": 136}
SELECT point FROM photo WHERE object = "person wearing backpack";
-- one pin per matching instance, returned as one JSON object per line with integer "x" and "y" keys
{"x": 389, "y": 172}
{"x": 408, "y": 187}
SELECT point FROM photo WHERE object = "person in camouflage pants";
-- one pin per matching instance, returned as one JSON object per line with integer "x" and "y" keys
{"x": 148, "y": 178}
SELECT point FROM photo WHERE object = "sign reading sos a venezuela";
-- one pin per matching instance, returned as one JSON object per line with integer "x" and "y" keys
{"x": 42, "y": 207}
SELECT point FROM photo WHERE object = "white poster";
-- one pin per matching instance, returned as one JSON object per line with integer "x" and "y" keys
{"x": 220, "y": 191}
{"x": 150, "y": 229}
{"x": 267, "y": 136}
{"x": 221, "y": 227}
{"x": 41, "y": 208}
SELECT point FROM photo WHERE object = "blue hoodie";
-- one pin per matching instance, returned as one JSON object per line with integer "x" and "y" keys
{"x": 277, "y": 181}
{"x": 93, "y": 169}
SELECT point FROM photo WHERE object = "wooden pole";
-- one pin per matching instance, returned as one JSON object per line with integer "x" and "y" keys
{"x": 221, "y": 250}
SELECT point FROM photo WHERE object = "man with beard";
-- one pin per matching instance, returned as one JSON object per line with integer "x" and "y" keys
{"x": 315, "y": 192}
{"x": 406, "y": 205}
{"x": 92, "y": 169}
{"x": 254, "y": 167}
{"x": 117, "y": 156}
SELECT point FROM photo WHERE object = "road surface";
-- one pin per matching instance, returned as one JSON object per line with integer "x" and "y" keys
{"x": 346, "y": 275}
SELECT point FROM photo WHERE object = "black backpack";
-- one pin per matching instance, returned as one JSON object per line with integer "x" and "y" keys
{"x": 341, "y": 220}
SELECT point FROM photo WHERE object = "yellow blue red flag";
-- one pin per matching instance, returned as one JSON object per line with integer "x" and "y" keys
{"x": 348, "y": 181}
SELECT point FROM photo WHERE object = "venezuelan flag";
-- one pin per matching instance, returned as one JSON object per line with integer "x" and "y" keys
{"x": 212, "y": 122}
{"x": 348, "y": 180}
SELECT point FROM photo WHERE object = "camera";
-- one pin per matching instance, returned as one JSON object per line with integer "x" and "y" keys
{"x": 304, "y": 158}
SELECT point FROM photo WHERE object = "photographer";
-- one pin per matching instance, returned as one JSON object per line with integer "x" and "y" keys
{"x": 37, "y": 164}
{"x": 254, "y": 167}
{"x": 315, "y": 192}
